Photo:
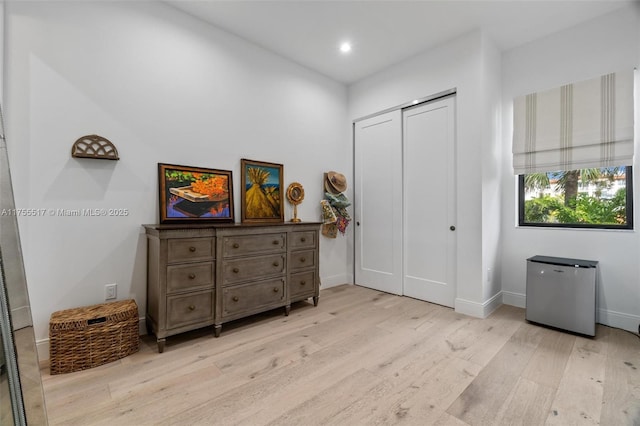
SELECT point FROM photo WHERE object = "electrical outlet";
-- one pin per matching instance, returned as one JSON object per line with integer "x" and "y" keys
{"x": 110, "y": 291}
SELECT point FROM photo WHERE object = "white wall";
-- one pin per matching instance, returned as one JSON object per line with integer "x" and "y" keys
{"x": 598, "y": 47}
{"x": 491, "y": 160}
{"x": 163, "y": 87}
{"x": 464, "y": 64}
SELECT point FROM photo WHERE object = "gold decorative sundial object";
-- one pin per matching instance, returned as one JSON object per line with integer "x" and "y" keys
{"x": 295, "y": 195}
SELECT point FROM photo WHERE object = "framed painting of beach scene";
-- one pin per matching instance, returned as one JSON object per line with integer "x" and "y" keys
{"x": 261, "y": 192}
{"x": 194, "y": 194}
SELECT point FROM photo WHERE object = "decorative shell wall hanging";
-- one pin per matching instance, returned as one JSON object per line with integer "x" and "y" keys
{"x": 94, "y": 146}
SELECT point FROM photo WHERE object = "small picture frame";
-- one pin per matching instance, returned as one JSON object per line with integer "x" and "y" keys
{"x": 262, "y": 196}
{"x": 194, "y": 194}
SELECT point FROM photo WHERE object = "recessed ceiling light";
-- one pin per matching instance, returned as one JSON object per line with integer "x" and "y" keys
{"x": 345, "y": 47}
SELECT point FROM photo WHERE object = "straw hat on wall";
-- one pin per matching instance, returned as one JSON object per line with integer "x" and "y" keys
{"x": 335, "y": 182}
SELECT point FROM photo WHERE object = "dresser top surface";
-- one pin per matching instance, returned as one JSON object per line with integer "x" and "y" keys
{"x": 164, "y": 231}
{"x": 196, "y": 226}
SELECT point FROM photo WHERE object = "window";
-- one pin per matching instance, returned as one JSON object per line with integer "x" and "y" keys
{"x": 588, "y": 198}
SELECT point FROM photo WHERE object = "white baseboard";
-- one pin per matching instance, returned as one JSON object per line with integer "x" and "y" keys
{"x": 335, "y": 280}
{"x": 492, "y": 304}
{"x": 514, "y": 299}
{"x": 619, "y": 320}
{"x": 478, "y": 310}
{"x": 42, "y": 347}
{"x": 142, "y": 326}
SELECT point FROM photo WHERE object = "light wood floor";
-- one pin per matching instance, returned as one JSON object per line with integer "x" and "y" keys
{"x": 362, "y": 358}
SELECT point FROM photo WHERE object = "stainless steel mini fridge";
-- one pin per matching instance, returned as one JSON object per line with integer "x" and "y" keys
{"x": 561, "y": 292}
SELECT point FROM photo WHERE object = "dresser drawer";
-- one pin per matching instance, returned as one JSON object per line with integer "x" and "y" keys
{"x": 302, "y": 240}
{"x": 302, "y": 283}
{"x": 253, "y": 296}
{"x": 237, "y": 270}
{"x": 254, "y": 244}
{"x": 190, "y": 249}
{"x": 189, "y": 309}
{"x": 190, "y": 276}
{"x": 303, "y": 259}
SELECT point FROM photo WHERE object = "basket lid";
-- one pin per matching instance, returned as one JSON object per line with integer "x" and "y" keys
{"x": 80, "y": 317}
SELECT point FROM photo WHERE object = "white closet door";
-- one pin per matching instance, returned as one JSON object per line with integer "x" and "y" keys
{"x": 378, "y": 202}
{"x": 429, "y": 202}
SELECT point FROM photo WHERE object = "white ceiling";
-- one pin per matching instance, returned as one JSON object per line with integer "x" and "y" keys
{"x": 385, "y": 32}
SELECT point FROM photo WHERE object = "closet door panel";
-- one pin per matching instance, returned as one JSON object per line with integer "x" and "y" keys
{"x": 429, "y": 202}
{"x": 378, "y": 202}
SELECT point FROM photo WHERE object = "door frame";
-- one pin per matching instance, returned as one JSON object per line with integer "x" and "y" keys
{"x": 406, "y": 105}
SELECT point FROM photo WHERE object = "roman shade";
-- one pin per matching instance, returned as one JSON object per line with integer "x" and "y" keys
{"x": 588, "y": 124}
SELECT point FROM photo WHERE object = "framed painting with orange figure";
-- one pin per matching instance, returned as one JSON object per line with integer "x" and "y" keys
{"x": 262, "y": 196}
{"x": 194, "y": 194}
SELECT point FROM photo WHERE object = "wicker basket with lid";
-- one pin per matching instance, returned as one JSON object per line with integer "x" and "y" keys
{"x": 90, "y": 336}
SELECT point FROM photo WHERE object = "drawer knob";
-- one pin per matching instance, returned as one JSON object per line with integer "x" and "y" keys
{"x": 275, "y": 242}
{"x": 303, "y": 282}
{"x": 276, "y": 264}
{"x": 192, "y": 249}
{"x": 303, "y": 259}
{"x": 276, "y": 289}
{"x": 192, "y": 308}
{"x": 192, "y": 276}
{"x": 236, "y": 270}
{"x": 235, "y": 298}
{"x": 236, "y": 245}
{"x": 303, "y": 239}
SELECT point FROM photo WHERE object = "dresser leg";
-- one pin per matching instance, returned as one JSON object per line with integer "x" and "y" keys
{"x": 287, "y": 309}
{"x": 315, "y": 300}
{"x": 161, "y": 345}
{"x": 217, "y": 328}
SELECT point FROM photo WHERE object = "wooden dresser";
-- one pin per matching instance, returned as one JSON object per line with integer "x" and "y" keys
{"x": 201, "y": 275}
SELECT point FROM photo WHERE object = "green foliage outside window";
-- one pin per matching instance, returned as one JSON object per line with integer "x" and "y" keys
{"x": 584, "y": 209}
{"x": 579, "y": 198}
